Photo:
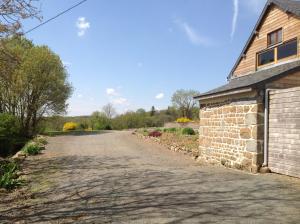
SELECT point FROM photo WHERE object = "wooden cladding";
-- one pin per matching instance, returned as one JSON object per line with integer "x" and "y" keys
{"x": 274, "y": 20}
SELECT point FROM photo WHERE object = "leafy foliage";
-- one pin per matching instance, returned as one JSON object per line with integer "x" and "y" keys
{"x": 184, "y": 101}
{"x": 188, "y": 131}
{"x": 8, "y": 175}
{"x": 33, "y": 84}
{"x": 100, "y": 121}
{"x": 32, "y": 148}
{"x": 8, "y": 125}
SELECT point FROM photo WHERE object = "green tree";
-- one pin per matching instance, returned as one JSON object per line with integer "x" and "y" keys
{"x": 100, "y": 121}
{"x": 34, "y": 85}
{"x": 184, "y": 101}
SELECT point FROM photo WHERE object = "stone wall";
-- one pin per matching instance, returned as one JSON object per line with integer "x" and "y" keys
{"x": 231, "y": 131}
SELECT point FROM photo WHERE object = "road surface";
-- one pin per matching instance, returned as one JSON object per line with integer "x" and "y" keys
{"x": 115, "y": 177}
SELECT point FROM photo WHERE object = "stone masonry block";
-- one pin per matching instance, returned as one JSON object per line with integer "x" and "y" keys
{"x": 251, "y": 146}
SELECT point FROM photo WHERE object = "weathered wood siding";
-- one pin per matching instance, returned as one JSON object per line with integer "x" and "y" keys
{"x": 284, "y": 131}
{"x": 274, "y": 19}
{"x": 292, "y": 80}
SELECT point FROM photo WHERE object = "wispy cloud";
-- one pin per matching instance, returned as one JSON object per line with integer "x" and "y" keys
{"x": 82, "y": 25}
{"x": 193, "y": 35}
{"x": 235, "y": 17}
{"x": 160, "y": 96}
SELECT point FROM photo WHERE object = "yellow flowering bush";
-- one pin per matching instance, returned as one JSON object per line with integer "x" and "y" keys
{"x": 70, "y": 126}
{"x": 183, "y": 120}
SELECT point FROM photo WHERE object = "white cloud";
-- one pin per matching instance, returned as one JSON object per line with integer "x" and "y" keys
{"x": 82, "y": 25}
{"x": 193, "y": 35}
{"x": 120, "y": 101}
{"x": 79, "y": 96}
{"x": 235, "y": 17}
{"x": 160, "y": 96}
{"x": 111, "y": 92}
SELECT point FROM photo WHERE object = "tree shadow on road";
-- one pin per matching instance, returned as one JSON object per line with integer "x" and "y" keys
{"x": 116, "y": 190}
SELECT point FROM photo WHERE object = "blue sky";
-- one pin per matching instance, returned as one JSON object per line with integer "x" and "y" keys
{"x": 137, "y": 53}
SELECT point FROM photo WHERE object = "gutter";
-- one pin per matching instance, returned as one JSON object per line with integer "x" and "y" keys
{"x": 228, "y": 93}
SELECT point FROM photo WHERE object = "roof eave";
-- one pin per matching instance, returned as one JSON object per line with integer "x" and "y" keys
{"x": 253, "y": 33}
{"x": 224, "y": 93}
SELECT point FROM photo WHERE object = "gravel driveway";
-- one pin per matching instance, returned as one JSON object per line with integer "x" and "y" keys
{"x": 115, "y": 177}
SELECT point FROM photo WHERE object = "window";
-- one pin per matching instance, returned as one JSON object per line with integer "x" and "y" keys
{"x": 287, "y": 49}
{"x": 275, "y": 37}
{"x": 266, "y": 57}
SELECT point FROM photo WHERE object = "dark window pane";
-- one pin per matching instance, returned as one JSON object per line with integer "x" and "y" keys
{"x": 275, "y": 37}
{"x": 279, "y": 36}
{"x": 287, "y": 49}
{"x": 272, "y": 38}
{"x": 266, "y": 57}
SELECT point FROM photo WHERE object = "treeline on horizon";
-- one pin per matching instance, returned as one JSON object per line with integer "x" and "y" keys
{"x": 99, "y": 120}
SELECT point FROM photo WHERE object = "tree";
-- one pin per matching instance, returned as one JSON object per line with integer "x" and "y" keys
{"x": 100, "y": 121}
{"x": 109, "y": 110}
{"x": 12, "y": 12}
{"x": 34, "y": 85}
{"x": 184, "y": 101}
{"x": 141, "y": 111}
{"x": 153, "y": 111}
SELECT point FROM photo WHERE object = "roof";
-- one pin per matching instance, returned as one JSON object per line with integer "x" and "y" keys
{"x": 255, "y": 79}
{"x": 291, "y": 6}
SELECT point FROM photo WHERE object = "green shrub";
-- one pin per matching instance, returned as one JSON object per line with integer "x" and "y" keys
{"x": 188, "y": 131}
{"x": 32, "y": 148}
{"x": 40, "y": 140}
{"x": 172, "y": 130}
{"x": 8, "y": 175}
{"x": 9, "y": 125}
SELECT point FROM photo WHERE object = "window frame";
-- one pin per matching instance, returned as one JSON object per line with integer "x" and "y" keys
{"x": 275, "y": 49}
{"x": 269, "y": 44}
{"x": 292, "y": 56}
{"x": 264, "y": 51}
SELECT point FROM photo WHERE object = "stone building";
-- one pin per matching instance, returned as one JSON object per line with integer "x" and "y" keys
{"x": 254, "y": 120}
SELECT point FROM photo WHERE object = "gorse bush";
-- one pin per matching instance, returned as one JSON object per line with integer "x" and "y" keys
{"x": 188, "y": 131}
{"x": 70, "y": 126}
{"x": 8, "y": 175}
{"x": 183, "y": 120}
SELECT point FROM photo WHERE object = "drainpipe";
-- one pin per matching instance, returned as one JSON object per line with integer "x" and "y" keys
{"x": 266, "y": 128}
